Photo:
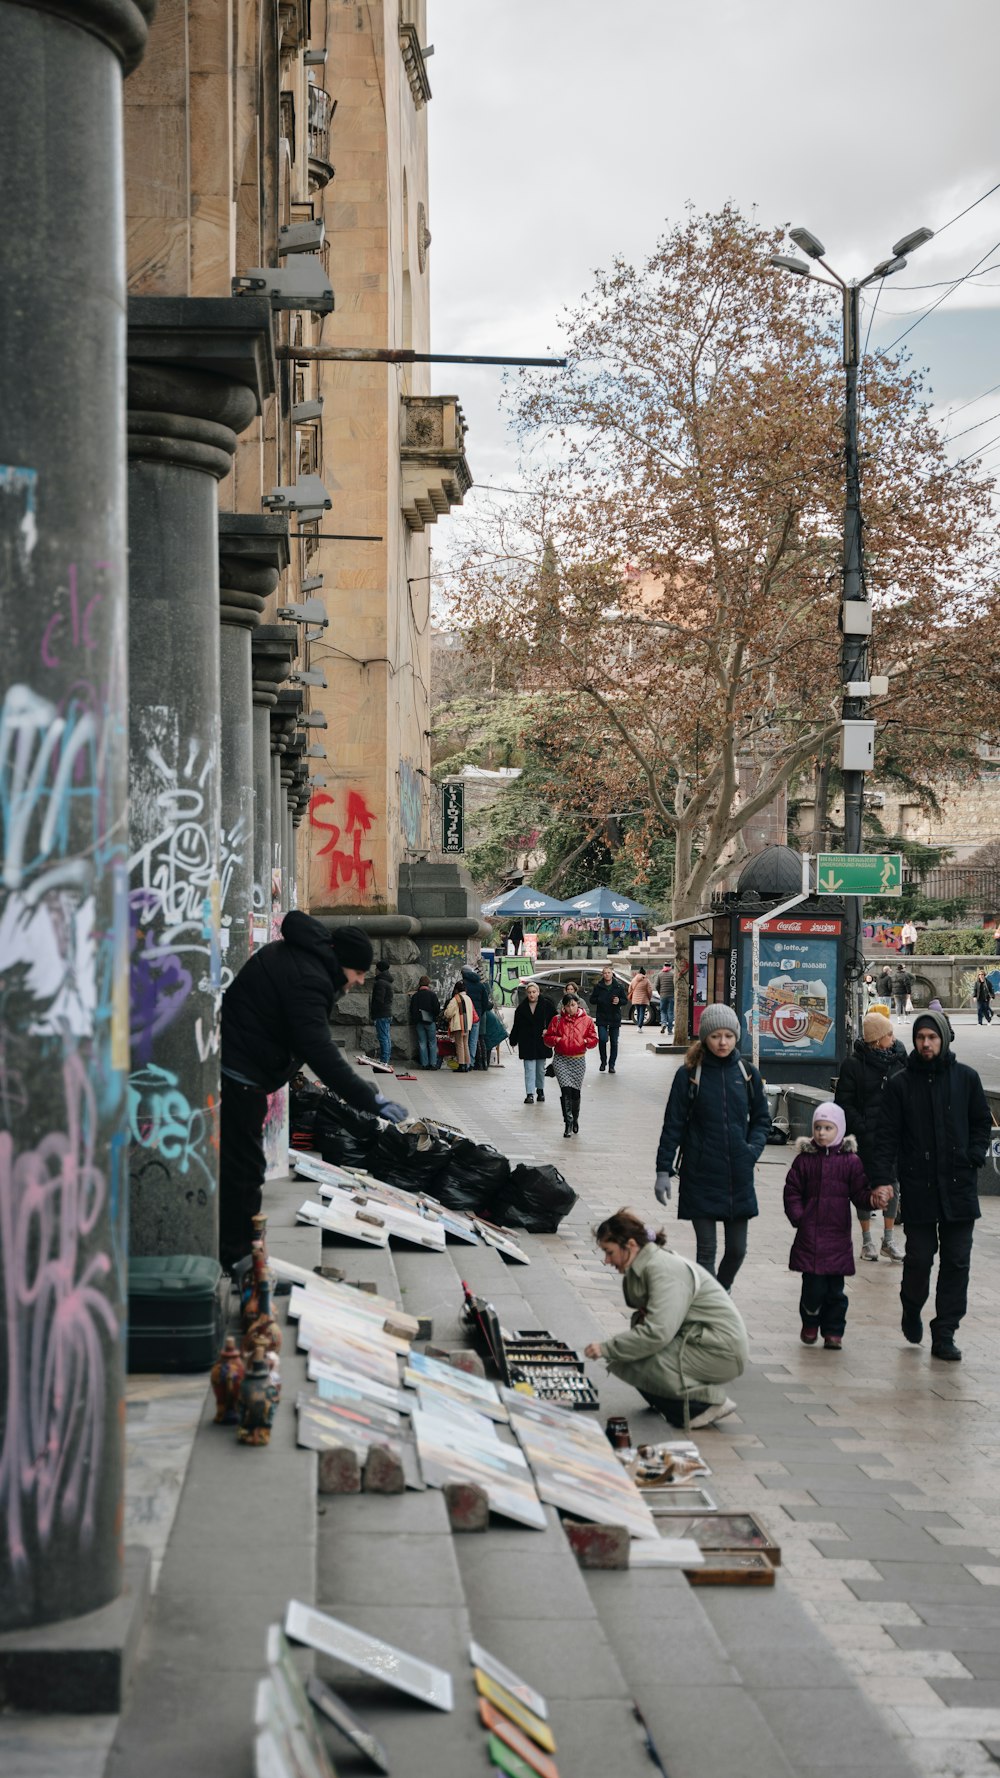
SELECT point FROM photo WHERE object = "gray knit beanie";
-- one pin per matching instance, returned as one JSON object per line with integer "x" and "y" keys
{"x": 717, "y": 1017}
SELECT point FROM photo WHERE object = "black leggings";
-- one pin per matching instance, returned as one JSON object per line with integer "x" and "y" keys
{"x": 735, "y": 1250}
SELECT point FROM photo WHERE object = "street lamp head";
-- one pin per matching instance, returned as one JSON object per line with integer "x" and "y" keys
{"x": 918, "y": 238}
{"x": 784, "y": 262}
{"x": 886, "y": 267}
{"x": 810, "y": 243}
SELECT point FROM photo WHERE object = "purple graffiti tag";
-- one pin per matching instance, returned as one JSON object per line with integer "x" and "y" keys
{"x": 59, "y": 1327}
{"x": 158, "y": 982}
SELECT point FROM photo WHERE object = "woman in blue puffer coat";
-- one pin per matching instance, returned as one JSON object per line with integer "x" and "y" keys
{"x": 714, "y": 1130}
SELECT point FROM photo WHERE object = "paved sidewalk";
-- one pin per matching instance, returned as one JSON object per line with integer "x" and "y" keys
{"x": 875, "y": 1467}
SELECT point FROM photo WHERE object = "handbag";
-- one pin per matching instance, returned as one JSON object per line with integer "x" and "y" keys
{"x": 909, "y": 1003}
{"x": 549, "y": 1071}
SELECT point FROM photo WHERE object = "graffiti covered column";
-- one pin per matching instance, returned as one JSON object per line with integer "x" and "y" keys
{"x": 253, "y": 551}
{"x": 63, "y": 788}
{"x": 199, "y": 370}
{"x": 272, "y": 648}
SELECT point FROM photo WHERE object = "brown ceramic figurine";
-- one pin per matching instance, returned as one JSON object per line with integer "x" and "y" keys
{"x": 262, "y": 1330}
{"x": 255, "y": 1274}
{"x": 227, "y": 1375}
{"x": 258, "y": 1400}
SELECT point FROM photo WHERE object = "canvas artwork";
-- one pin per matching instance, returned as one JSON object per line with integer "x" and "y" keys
{"x": 669, "y": 1552}
{"x": 318, "y": 1318}
{"x": 335, "y": 1711}
{"x": 322, "y": 1428}
{"x": 512, "y": 1708}
{"x": 369, "y": 1655}
{"x": 303, "y": 1302}
{"x": 434, "y": 1399}
{"x": 582, "y": 1476}
{"x": 516, "y": 1740}
{"x": 505, "y": 1676}
{"x": 448, "y": 1453}
{"x": 343, "y": 1220}
{"x": 348, "y": 1351}
{"x": 281, "y": 1698}
{"x": 504, "y": 1244}
{"x": 506, "y": 1761}
{"x": 325, "y": 1289}
{"x": 438, "y": 1372}
{"x": 323, "y": 1370}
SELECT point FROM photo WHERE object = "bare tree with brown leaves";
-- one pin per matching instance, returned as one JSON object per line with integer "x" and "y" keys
{"x": 674, "y": 577}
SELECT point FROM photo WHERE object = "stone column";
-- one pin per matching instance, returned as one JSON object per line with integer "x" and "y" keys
{"x": 199, "y": 370}
{"x": 63, "y": 795}
{"x": 253, "y": 551}
{"x": 272, "y": 649}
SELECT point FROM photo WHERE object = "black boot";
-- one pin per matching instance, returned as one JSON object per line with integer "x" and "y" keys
{"x": 574, "y": 1098}
{"x": 567, "y": 1114}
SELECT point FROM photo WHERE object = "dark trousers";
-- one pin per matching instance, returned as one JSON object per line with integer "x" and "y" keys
{"x": 734, "y": 1252}
{"x": 824, "y": 1299}
{"x": 923, "y": 1240}
{"x": 242, "y": 1166}
{"x": 604, "y": 1032}
{"x": 984, "y": 1011}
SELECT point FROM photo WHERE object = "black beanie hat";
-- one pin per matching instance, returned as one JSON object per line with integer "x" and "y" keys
{"x": 935, "y": 1021}
{"x": 382, "y": 968}
{"x": 353, "y": 947}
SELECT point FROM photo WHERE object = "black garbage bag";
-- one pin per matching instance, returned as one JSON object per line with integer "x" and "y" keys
{"x": 303, "y": 1103}
{"x": 537, "y": 1200}
{"x": 345, "y": 1137}
{"x": 474, "y": 1179}
{"x": 400, "y": 1158}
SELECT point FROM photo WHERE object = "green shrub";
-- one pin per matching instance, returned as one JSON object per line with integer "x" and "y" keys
{"x": 956, "y": 941}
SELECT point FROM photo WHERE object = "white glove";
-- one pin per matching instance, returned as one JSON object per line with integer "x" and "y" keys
{"x": 662, "y": 1187}
{"x": 389, "y": 1108}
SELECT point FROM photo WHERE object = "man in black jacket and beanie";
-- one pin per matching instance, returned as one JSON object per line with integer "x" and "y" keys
{"x": 275, "y": 1016}
{"x": 935, "y": 1128}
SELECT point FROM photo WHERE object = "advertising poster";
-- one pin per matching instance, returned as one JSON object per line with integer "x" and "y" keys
{"x": 799, "y": 992}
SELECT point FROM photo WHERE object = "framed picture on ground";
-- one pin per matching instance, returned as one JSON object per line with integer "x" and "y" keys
{"x": 726, "y": 1531}
{"x": 732, "y": 1568}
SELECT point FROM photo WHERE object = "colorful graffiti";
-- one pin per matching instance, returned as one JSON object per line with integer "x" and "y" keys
{"x": 346, "y": 866}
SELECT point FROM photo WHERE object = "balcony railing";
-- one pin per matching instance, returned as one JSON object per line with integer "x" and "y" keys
{"x": 321, "y": 110}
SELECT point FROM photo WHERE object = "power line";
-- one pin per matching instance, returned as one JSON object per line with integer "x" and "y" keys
{"x": 968, "y": 207}
{"x": 973, "y": 428}
{"x": 953, "y": 287}
{"x": 972, "y": 399}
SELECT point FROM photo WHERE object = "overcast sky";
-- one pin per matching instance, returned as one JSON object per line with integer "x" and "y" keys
{"x": 565, "y": 131}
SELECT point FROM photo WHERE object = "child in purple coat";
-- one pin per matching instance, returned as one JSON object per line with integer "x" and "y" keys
{"x": 824, "y": 1180}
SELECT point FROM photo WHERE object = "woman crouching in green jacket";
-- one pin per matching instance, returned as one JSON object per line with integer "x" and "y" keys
{"x": 686, "y": 1338}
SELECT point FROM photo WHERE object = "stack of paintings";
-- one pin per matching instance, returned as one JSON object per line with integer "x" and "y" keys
{"x": 574, "y": 1467}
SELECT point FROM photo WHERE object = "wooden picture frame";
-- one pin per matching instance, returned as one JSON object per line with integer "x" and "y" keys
{"x": 732, "y": 1568}
{"x": 739, "y": 1531}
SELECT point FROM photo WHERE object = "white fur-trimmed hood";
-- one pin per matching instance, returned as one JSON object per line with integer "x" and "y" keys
{"x": 806, "y": 1145}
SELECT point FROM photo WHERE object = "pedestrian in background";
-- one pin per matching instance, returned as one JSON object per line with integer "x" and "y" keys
{"x": 935, "y": 1129}
{"x": 861, "y": 1084}
{"x": 714, "y": 1130}
{"x": 902, "y": 984}
{"x": 462, "y": 1017}
{"x": 381, "y": 1011}
{"x": 869, "y": 987}
{"x": 570, "y": 1035}
{"x": 907, "y": 939}
{"x": 982, "y": 993}
{"x": 824, "y": 1180}
{"x": 610, "y": 997}
{"x": 640, "y": 993}
{"x": 665, "y": 989}
{"x": 884, "y": 984}
{"x": 477, "y": 991}
{"x": 425, "y": 1010}
{"x": 532, "y": 1016}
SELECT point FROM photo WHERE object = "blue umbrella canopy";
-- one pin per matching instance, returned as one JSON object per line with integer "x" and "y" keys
{"x": 525, "y": 900}
{"x": 608, "y": 904}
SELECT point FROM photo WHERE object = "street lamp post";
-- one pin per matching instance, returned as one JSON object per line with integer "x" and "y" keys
{"x": 857, "y": 728}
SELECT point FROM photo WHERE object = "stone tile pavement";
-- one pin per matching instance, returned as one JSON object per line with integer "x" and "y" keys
{"x": 876, "y": 1467}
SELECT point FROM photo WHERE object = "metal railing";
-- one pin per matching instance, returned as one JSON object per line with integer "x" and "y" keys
{"x": 979, "y": 885}
{"x": 321, "y": 109}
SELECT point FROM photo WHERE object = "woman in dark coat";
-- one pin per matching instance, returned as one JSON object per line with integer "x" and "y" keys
{"x": 878, "y": 1055}
{"x": 527, "y": 1034}
{"x": 717, "y": 1118}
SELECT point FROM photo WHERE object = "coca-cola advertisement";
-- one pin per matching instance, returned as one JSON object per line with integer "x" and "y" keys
{"x": 798, "y": 989}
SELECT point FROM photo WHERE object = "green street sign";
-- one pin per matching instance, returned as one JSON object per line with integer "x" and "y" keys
{"x": 859, "y": 873}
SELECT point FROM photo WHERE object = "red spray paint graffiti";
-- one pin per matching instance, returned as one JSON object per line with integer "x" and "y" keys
{"x": 346, "y": 868}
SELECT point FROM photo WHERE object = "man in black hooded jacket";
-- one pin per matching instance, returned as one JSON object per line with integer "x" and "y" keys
{"x": 935, "y": 1128}
{"x": 275, "y": 1016}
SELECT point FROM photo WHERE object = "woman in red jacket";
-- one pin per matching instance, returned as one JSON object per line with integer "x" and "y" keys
{"x": 570, "y": 1035}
